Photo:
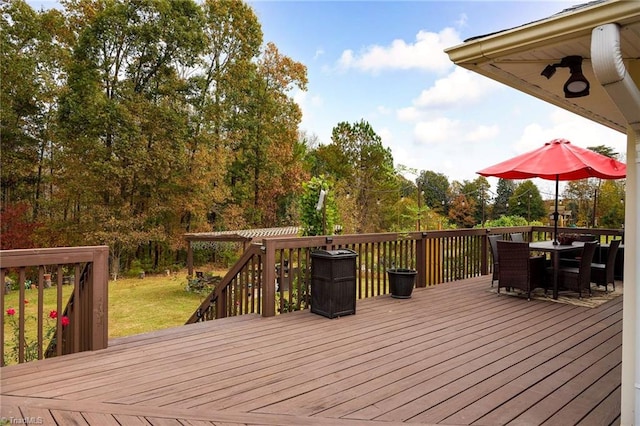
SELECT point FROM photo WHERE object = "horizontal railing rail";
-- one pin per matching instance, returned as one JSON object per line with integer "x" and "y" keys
{"x": 278, "y": 275}
{"x": 36, "y": 320}
{"x": 603, "y": 235}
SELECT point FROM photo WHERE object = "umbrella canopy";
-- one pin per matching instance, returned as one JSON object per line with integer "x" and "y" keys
{"x": 558, "y": 160}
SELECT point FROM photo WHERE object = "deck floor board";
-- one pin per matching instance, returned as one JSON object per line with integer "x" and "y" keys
{"x": 454, "y": 354}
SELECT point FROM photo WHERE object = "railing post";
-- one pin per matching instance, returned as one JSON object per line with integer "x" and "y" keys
{"x": 189, "y": 258}
{"x": 269, "y": 279}
{"x": 99, "y": 304}
{"x": 484, "y": 259}
{"x": 221, "y": 304}
{"x": 21, "y": 282}
{"x": 530, "y": 235}
{"x": 421, "y": 260}
{"x": 2, "y": 311}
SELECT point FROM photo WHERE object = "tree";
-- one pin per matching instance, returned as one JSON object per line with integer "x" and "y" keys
{"x": 17, "y": 228}
{"x": 318, "y": 210}
{"x": 264, "y": 168}
{"x": 583, "y": 194}
{"x": 474, "y": 192}
{"x": 462, "y": 210}
{"x": 129, "y": 123}
{"x": 34, "y": 48}
{"x": 408, "y": 210}
{"x": 123, "y": 121}
{"x": 611, "y": 204}
{"x": 278, "y": 117}
{"x": 217, "y": 91}
{"x": 364, "y": 172}
{"x": 578, "y": 194}
{"x": 527, "y": 202}
{"x": 607, "y": 152}
{"x": 482, "y": 199}
{"x": 507, "y": 221}
{"x": 435, "y": 187}
{"x": 504, "y": 191}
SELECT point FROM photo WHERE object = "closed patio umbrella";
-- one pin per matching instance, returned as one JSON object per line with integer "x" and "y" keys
{"x": 558, "y": 160}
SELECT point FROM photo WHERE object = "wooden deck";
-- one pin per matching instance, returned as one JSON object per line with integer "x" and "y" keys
{"x": 454, "y": 354}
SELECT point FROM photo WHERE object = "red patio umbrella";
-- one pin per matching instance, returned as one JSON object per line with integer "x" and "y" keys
{"x": 558, "y": 160}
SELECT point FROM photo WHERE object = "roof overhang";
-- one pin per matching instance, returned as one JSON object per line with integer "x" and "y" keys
{"x": 516, "y": 57}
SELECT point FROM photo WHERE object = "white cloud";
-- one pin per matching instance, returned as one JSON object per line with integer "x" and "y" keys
{"x": 408, "y": 114}
{"x": 347, "y": 60}
{"x": 437, "y": 131}
{"x": 425, "y": 53}
{"x": 462, "y": 21}
{"x": 317, "y": 101}
{"x": 449, "y": 132}
{"x": 577, "y": 130}
{"x": 300, "y": 97}
{"x": 483, "y": 133}
{"x": 383, "y": 110}
{"x": 307, "y": 101}
{"x": 386, "y": 135}
{"x": 312, "y": 109}
{"x": 459, "y": 86}
{"x": 533, "y": 136}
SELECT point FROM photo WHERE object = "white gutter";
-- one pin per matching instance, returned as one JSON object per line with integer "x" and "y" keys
{"x": 610, "y": 70}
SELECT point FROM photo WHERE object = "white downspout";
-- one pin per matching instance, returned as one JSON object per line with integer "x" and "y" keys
{"x": 609, "y": 68}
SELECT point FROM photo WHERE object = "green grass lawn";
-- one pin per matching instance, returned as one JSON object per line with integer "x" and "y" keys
{"x": 135, "y": 305}
{"x": 153, "y": 303}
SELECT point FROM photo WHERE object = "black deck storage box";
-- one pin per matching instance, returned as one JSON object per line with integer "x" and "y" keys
{"x": 333, "y": 282}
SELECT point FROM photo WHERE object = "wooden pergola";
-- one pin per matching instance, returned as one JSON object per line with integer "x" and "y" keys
{"x": 244, "y": 236}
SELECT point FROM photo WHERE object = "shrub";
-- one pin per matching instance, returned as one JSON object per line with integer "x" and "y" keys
{"x": 506, "y": 221}
{"x": 202, "y": 283}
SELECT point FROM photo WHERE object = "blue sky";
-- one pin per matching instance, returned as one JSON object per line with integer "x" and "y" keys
{"x": 383, "y": 61}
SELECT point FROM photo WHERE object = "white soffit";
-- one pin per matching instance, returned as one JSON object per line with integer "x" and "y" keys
{"x": 516, "y": 57}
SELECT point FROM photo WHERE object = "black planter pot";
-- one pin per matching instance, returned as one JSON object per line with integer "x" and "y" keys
{"x": 401, "y": 282}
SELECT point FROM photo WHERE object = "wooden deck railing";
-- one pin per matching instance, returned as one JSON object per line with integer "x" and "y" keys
{"x": 237, "y": 293}
{"x": 275, "y": 277}
{"x": 42, "y": 316}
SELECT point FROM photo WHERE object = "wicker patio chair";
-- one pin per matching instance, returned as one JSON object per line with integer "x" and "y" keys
{"x": 570, "y": 259}
{"x": 494, "y": 254}
{"x": 602, "y": 273}
{"x": 578, "y": 279}
{"x": 518, "y": 269}
{"x": 518, "y": 237}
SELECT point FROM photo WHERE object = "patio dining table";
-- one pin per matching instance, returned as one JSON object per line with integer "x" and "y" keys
{"x": 555, "y": 250}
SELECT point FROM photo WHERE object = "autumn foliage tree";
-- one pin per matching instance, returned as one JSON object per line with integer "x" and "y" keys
{"x": 159, "y": 117}
{"x": 129, "y": 123}
{"x": 17, "y": 229}
{"x": 264, "y": 167}
{"x": 364, "y": 174}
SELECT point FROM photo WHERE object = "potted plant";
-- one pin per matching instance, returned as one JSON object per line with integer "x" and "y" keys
{"x": 401, "y": 282}
{"x": 567, "y": 238}
{"x": 47, "y": 279}
{"x": 401, "y": 279}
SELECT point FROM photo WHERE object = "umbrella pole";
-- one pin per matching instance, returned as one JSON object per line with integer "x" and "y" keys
{"x": 555, "y": 215}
